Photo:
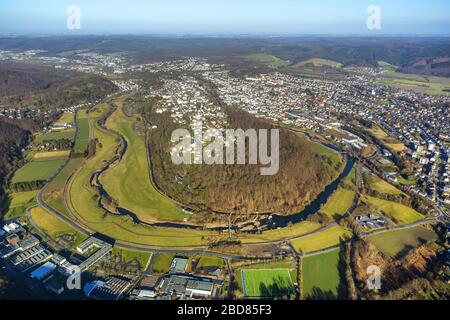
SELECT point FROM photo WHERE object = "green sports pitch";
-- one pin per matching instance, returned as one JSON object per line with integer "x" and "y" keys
{"x": 267, "y": 283}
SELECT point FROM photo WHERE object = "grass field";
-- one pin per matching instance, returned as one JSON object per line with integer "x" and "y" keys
{"x": 19, "y": 203}
{"x": 268, "y": 60}
{"x": 56, "y": 135}
{"x": 53, "y": 226}
{"x": 318, "y": 62}
{"x": 267, "y": 283}
{"x": 52, "y": 154}
{"x": 321, "y": 240}
{"x": 398, "y": 212}
{"x": 161, "y": 263}
{"x": 338, "y": 204}
{"x": 209, "y": 261}
{"x": 82, "y": 138}
{"x": 129, "y": 182}
{"x": 321, "y": 276}
{"x": 379, "y": 185}
{"x": 39, "y": 169}
{"x": 393, "y": 243}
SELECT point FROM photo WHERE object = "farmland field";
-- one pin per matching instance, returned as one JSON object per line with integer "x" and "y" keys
{"x": 39, "y": 170}
{"x": 267, "y": 283}
{"x": 398, "y": 212}
{"x": 322, "y": 240}
{"x": 393, "y": 243}
{"x": 129, "y": 182}
{"x": 321, "y": 276}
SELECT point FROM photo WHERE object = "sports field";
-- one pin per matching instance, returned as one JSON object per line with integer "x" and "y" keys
{"x": 398, "y": 212}
{"x": 267, "y": 283}
{"x": 39, "y": 170}
{"x": 321, "y": 277}
{"x": 393, "y": 243}
{"x": 82, "y": 138}
{"x": 321, "y": 240}
{"x": 129, "y": 181}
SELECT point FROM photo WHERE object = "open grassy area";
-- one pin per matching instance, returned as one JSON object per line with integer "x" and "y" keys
{"x": 54, "y": 227}
{"x": 398, "y": 212}
{"x": 38, "y": 170}
{"x": 267, "y": 283}
{"x": 321, "y": 240}
{"x": 393, "y": 243}
{"x": 379, "y": 185}
{"x": 129, "y": 182}
{"x": 18, "y": 204}
{"x": 161, "y": 263}
{"x": 209, "y": 261}
{"x": 333, "y": 156}
{"x": 82, "y": 138}
{"x": 338, "y": 204}
{"x": 128, "y": 256}
{"x": 321, "y": 276}
{"x": 318, "y": 62}
{"x": 297, "y": 229}
{"x": 267, "y": 59}
{"x": 56, "y": 135}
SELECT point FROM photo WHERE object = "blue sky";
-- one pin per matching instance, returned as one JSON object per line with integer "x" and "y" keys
{"x": 294, "y": 17}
